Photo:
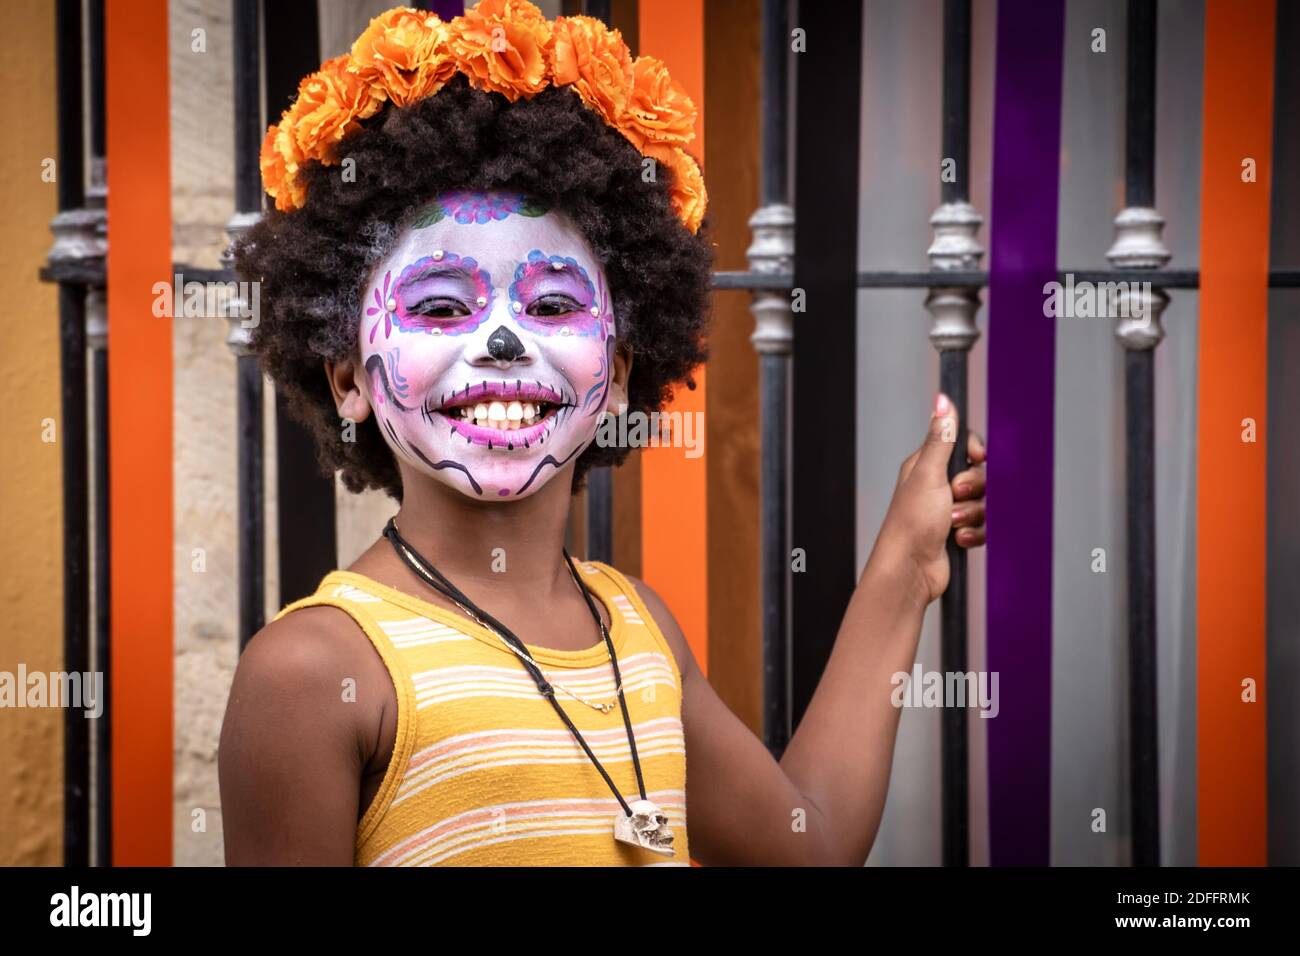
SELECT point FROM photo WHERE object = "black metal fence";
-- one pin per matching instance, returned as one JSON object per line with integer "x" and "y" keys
{"x": 792, "y": 248}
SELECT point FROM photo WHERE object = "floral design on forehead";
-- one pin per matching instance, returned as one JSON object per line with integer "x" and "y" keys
{"x": 500, "y": 46}
{"x": 467, "y": 206}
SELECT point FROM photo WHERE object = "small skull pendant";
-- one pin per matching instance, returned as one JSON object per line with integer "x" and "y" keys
{"x": 647, "y": 828}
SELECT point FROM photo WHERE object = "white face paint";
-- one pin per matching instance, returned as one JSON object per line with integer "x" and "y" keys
{"x": 487, "y": 338}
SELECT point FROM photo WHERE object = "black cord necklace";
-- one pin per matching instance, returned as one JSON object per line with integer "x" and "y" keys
{"x": 641, "y": 823}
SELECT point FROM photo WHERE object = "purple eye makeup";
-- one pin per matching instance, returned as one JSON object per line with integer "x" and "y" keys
{"x": 440, "y": 294}
{"x": 553, "y": 294}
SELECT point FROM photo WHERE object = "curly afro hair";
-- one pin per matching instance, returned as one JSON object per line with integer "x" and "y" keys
{"x": 314, "y": 263}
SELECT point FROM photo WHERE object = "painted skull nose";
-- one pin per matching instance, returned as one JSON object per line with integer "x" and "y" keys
{"x": 504, "y": 346}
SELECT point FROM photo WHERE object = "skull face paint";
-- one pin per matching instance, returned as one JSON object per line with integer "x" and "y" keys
{"x": 487, "y": 338}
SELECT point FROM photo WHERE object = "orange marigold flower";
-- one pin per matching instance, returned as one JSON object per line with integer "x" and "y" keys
{"x": 687, "y": 193}
{"x": 500, "y": 45}
{"x": 331, "y": 104}
{"x": 279, "y": 161}
{"x": 404, "y": 52}
{"x": 594, "y": 58}
{"x": 658, "y": 110}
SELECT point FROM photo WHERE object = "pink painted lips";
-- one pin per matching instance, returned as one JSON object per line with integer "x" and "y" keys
{"x": 501, "y": 414}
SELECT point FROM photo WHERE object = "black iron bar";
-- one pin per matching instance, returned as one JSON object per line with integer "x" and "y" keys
{"x": 95, "y": 60}
{"x": 955, "y": 188}
{"x": 72, "y": 436}
{"x": 953, "y": 644}
{"x": 246, "y": 37}
{"x": 1140, "y": 105}
{"x": 1139, "y": 400}
{"x": 102, "y": 822}
{"x": 827, "y": 179}
{"x": 600, "y": 514}
{"x": 252, "y": 560}
{"x": 246, "y": 30}
{"x": 956, "y": 98}
{"x": 600, "y": 481}
{"x": 774, "y": 403}
{"x": 1159, "y": 279}
{"x": 738, "y": 281}
{"x": 76, "y": 579}
{"x": 774, "y": 519}
{"x": 306, "y": 531}
{"x": 1140, "y": 507}
{"x": 774, "y": 147}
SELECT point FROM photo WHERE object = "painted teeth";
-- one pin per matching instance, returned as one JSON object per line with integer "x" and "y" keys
{"x": 506, "y": 416}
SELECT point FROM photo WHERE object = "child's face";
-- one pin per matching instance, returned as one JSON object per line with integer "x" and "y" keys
{"x": 487, "y": 340}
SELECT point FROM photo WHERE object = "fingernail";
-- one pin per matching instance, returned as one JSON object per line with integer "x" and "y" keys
{"x": 941, "y": 404}
{"x": 963, "y": 489}
{"x": 956, "y": 514}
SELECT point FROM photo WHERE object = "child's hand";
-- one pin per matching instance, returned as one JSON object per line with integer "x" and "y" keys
{"x": 926, "y": 506}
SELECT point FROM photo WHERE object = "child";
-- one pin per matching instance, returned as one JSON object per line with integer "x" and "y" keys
{"x": 453, "y": 321}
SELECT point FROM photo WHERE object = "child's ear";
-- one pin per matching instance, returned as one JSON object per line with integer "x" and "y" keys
{"x": 349, "y": 389}
{"x": 618, "y": 381}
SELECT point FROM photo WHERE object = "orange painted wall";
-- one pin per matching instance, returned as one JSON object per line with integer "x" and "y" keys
{"x": 1233, "y": 386}
{"x": 674, "y": 488}
{"x": 140, "y": 429}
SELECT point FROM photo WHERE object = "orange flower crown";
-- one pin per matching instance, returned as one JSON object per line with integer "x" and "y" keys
{"x": 502, "y": 46}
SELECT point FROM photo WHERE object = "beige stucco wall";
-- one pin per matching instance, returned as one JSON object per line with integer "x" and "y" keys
{"x": 203, "y": 441}
{"x": 31, "y": 512}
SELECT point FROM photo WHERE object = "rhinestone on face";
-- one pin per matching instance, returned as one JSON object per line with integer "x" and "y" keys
{"x": 595, "y": 310}
{"x": 565, "y": 331}
{"x": 392, "y": 305}
{"x": 437, "y": 253}
{"x": 481, "y": 300}
{"x": 557, "y": 266}
{"x": 517, "y": 306}
{"x": 436, "y": 331}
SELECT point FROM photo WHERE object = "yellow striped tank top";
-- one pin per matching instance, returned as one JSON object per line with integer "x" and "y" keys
{"x": 484, "y": 772}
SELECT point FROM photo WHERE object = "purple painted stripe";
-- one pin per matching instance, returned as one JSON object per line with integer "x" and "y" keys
{"x": 1021, "y": 377}
{"x": 445, "y": 9}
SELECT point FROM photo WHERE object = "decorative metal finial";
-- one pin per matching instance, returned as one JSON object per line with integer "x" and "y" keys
{"x": 772, "y": 252}
{"x": 1138, "y": 306}
{"x": 955, "y": 249}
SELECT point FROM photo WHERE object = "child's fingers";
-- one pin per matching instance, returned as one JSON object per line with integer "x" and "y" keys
{"x": 970, "y": 537}
{"x": 975, "y": 448}
{"x": 969, "y": 515}
{"x": 968, "y": 484}
{"x": 932, "y": 457}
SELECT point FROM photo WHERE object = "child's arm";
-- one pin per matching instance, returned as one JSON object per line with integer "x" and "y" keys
{"x": 823, "y": 802}
{"x": 292, "y": 748}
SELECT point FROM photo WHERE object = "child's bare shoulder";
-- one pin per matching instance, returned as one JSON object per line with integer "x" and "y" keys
{"x": 306, "y": 661}
{"x": 310, "y": 642}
